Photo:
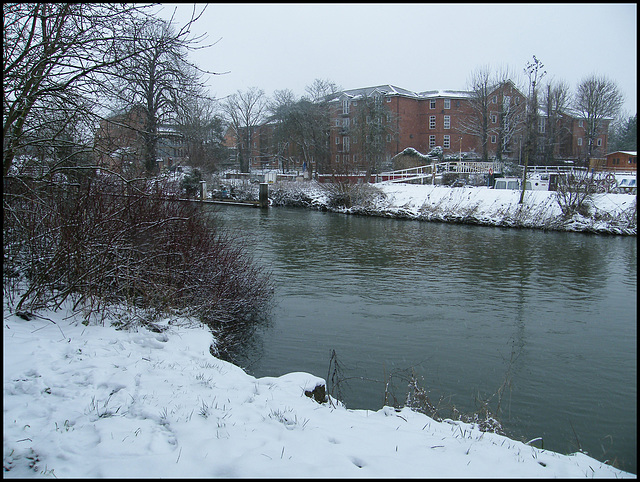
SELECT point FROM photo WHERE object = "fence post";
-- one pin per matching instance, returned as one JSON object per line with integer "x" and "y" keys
{"x": 264, "y": 195}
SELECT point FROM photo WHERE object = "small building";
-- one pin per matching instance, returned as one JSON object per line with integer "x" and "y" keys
{"x": 621, "y": 161}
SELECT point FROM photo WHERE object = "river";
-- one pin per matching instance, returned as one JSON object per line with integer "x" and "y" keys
{"x": 542, "y": 325}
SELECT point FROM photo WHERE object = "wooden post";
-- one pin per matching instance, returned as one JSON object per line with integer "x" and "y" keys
{"x": 264, "y": 195}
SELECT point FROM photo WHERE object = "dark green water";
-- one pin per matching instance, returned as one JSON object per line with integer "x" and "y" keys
{"x": 469, "y": 308}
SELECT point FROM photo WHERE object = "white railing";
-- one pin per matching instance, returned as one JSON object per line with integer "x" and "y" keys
{"x": 460, "y": 167}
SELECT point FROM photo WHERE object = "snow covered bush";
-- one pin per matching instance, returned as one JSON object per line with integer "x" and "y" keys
{"x": 574, "y": 193}
{"x": 104, "y": 242}
{"x": 344, "y": 195}
{"x": 294, "y": 193}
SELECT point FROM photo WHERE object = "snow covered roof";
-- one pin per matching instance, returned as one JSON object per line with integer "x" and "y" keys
{"x": 628, "y": 153}
{"x": 391, "y": 90}
{"x": 381, "y": 89}
{"x": 430, "y": 94}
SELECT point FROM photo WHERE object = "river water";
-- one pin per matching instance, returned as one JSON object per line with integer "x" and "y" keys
{"x": 540, "y": 324}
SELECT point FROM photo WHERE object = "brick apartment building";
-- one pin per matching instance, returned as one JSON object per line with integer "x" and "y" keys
{"x": 424, "y": 121}
{"x": 448, "y": 120}
{"x": 443, "y": 119}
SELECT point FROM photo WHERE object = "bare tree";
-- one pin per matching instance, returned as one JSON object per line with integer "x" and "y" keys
{"x": 534, "y": 72}
{"x": 245, "y": 111}
{"x": 597, "y": 99}
{"x": 158, "y": 79}
{"x": 510, "y": 113}
{"x": 322, "y": 89}
{"x": 373, "y": 124}
{"x": 203, "y": 130}
{"x": 58, "y": 62}
{"x": 554, "y": 104}
{"x": 54, "y": 55}
{"x": 480, "y": 85}
{"x": 303, "y": 125}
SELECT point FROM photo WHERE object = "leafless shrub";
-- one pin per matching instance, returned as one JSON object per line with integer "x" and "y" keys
{"x": 574, "y": 193}
{"x": 103, "y": 242}
{"x": 347, "y": 195}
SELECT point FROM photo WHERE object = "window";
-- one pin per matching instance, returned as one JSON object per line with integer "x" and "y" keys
{"x": 506, "y": 101}
{"x": 580, "y": 123}
{"x": 345, "y": 122}
{"x": 345, "y": 106}
{"x": 541, "y": 126}
{"x": 494, "y": 118}
{"x": 447, "y": 122}
{"x": 432, "y": 104}
{"x": 337, "y": 122}
{"x": 388, "y": 99}
{"x": 599, "y": 144}
{"x": 579, "y": 141}
{"x": 494, "y": 100}
{"x": 493, "y": 139}
{"x": 388, "y": 137}
{"x": 432, "y": 141}
{"x": 345, "y": 144}
{"x": 432, "y": 122}
{"x": 446, "y": 143}
{"x": 447, "y": 103}
{"x": 337, "y": 140}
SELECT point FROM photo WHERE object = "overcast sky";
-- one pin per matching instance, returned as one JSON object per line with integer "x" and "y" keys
{"x": 414, "y": 46}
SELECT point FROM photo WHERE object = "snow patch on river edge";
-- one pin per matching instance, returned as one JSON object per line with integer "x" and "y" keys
{"x": 93, "y": 401}
{"x": 609, "y": 213}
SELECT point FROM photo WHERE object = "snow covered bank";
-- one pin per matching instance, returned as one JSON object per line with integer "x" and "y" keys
{"x": 91, "y": 401}
{"x": 609, "y": 213}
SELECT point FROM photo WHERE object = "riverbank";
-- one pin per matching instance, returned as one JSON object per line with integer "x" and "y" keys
{"x": 92, "y": 401}
{"x": 608, "y": 213}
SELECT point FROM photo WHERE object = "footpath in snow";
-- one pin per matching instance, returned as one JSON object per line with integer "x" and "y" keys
{"x": 91, "y": 401}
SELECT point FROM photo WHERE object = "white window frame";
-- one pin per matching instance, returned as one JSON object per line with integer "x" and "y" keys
{"x": 580, "y": 123}
{"x": 345, "y": 144}
{"x": 447, "y": 103}
{"x": 599, "y": 143}
{"x": 494, "y": 139}
{"x": 494, "y": 118}
{"x": 447, "y": 122}
{"x": 432, "y": 104}
{"x": 579, "y": 141}
{"x": 432, "y": 141}
{"x": 345, "y": 106}
{"x": 337, "y": 140}
{"x": 432, "y": 122}
{"x": 446, "y": 142}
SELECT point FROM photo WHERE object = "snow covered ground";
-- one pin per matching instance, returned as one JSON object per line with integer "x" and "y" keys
{"x": 609, "y": 213}
{"x": 91, "y": 401}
